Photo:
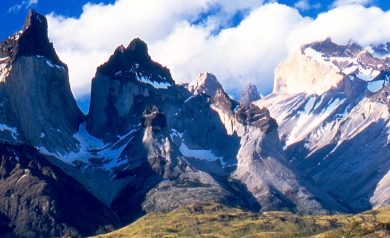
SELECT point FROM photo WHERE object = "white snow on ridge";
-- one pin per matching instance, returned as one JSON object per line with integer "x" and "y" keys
{"x": 310, "y": 104}
{"x": 346, "y": 65}
{"x": 92, "y": 147}
{"x": 48, "y": 62}
{"x": 312, "y": 53}
{"x": 12, "y": 130}
{"x": 307, "y": 122}
{"x": 367, "y": 74}
{"x": 375, "y": 86}
{"x": 158, "y": 85}
{"x": 196, "y": 154}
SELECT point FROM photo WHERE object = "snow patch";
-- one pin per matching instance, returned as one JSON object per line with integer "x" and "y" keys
{"x": 12, "y": 130}
{"x": 92, "y": 147}
{"x": 367, "y": 74}
{"x": 48, "y": 62}
{"x": 198, "y": 154}
{"x": 118, "y": 74}
{"x": 309, "y": 105}
{"x": 192, "y": 153}
{"x": 20, "y": 179}
{"x": 189, "y": 98}
{"x": 312, "y": 53}
{"x": 375, "y": 86}
{"x": 307, "y": 122}
{"x": 158, "y": 85}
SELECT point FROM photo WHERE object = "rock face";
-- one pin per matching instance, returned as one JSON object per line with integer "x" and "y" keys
{"x": 162, "y": 178}
{"x": 127, "y": 75}
{"x": 35, "y": 91}
{"x": 39, "y": 200}
{"x": 205, "y": 83}
{"x": 336, "y": 133}
{"x": 252, "y": 115}
{"x": 249, "y": 94}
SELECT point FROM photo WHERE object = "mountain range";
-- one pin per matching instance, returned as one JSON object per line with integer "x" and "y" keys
{"x": 318, "y": 144}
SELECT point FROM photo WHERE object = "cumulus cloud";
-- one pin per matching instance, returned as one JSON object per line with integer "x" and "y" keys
{"x": 188, "y": 38}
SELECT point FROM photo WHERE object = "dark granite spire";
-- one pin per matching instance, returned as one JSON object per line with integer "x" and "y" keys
{"x": 30, "y": 41}
{"x": 133, "y": 61}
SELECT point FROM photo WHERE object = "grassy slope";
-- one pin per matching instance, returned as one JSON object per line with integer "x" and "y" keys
{"x": 214, "y": 220}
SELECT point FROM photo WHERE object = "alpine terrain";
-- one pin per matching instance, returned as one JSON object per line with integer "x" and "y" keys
{"x": 318, "y": 145}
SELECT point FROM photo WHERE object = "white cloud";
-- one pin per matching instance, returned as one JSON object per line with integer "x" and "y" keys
{"x": 363, "y": 25}
{"x": 24, "y": 4}
{"x": 338, "y": 3}
{"x": 305, "y": 5}
{"x": 32, "y": 2}
{"x": 245, "y": 53}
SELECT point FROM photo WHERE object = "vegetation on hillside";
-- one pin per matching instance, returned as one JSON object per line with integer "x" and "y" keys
{"x": 215, "y": 220}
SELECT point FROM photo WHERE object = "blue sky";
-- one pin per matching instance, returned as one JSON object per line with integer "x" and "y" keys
{"x": 240, "y": 41}
{"x": 13, "y": 12}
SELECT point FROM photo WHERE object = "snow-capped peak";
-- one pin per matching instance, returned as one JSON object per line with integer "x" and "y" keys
{"x": 205, "y": 83}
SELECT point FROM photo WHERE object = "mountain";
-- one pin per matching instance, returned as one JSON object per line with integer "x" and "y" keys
{"x": 332, "y": 107}
{"x": 129, "y": 72}
{"x": 37, "y": 106}
{"x": 176, "y": 145}
{"x": 205, "y": 83}
{"x": 149, "y": 145}
{"x": 249, "y": 94}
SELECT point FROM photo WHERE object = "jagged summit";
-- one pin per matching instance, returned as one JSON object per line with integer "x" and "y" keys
{"x": 32, "y": 40}
{"x": 330, "y": 48}
{"x": 134, "y": 63}
{"x": 382, "y": 50}
{"x": 249, "y": 94}
{"x": 205, "y": 83}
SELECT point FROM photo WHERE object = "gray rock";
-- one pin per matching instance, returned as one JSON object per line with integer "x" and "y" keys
{"x": 40, "y": 200}
{"x": 249, "y": 94}
{"x": 35, "y": 89}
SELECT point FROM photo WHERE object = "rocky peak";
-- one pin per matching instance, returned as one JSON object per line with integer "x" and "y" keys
{"x": 222, "y": 101}
{"x": 252, "y": 115}
{"x": 249, "y": 94}
{"x": 133, "y": 63}
{"x": 139, "y": 47}
{"x": 32, "y": 40}
{"x": 205, "y": 83}
{"x": 382, "y": 49}
{"x": 328, "y": 48}
{"x": 152, "y": 117}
